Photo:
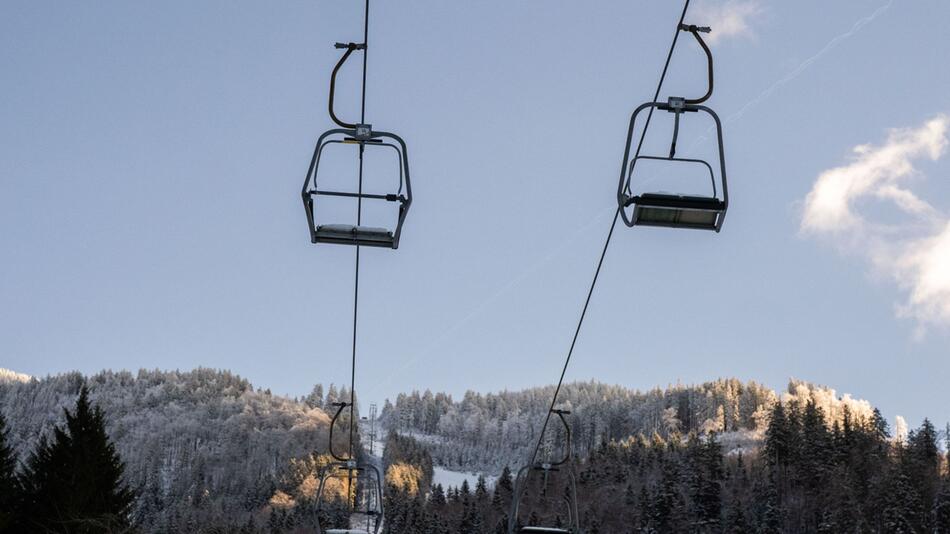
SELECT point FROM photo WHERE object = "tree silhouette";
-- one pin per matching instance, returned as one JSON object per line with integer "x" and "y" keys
{"x": 9, "y": 490}
{"x": 73, "y": 483}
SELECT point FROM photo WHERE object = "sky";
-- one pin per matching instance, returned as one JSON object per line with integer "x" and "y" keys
{"x": 152, "y": 154}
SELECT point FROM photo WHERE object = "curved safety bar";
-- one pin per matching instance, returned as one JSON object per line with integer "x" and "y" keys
{"x": 340, "y": 407}
{"x": 350, "y": 48}
{"x": 623, "y": 187}
{"x": 712, "y": 174}
{"x": 351, "y": 136}
{"x": 696, "y": 30}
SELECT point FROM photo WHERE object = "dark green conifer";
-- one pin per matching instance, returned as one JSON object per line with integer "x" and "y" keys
{"x": 9, "y": 489}
{"x": 74, "y": 482}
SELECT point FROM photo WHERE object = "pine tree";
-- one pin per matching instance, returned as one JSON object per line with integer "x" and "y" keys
{"x": 315, "y": 398}
{"x": 437, "y": 496}
{"x": 9, "y": 489}
{"x": 940, "y": 514}
{"x": 777, "y": 439}
{"x": 481, "y": 489}
{"x": 735, "y": 519}
{"x": 75, "y": 481}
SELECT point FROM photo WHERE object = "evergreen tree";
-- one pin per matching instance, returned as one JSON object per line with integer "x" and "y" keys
{"x": 75, "y": 482}
{"x": 940, "y": 514}
{"x": 437, "y": 496}
{"x": 9, "y": 490}
{"x": 315, "y": 398}
{"x": 481, "y": 489}
{"x": 777, "y": 437}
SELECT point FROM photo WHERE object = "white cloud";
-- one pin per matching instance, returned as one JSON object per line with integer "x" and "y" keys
{"x": 915, "y": 251}
{"x": 729, "y": 18}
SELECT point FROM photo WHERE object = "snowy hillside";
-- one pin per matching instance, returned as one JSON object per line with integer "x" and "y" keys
{"x": 485, "y": 432}
{"x": 200, "y": 447}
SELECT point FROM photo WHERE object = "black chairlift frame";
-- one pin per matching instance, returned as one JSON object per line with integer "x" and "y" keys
{"x": 700, "y": 212}
{"x": 363, "y": 136}
{"x": 521, "y": 487}
{"x": 362, "y": 474}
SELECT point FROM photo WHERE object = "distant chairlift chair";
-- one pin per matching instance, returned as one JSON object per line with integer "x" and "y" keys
{"x": 362, "y": 136}
{"x": 363, "y": 483}
{"x": 674, "y": 210}
{"x": 545, "y": 469}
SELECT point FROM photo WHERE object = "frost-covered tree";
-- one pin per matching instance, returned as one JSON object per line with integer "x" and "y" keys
{"x": 201, "y": 447}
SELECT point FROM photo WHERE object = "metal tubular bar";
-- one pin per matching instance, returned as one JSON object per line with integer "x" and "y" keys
{"x": 340, "y": 407}
{"x": 709, "y": 66}
{"x": 712, "y": 175}
{"x": 390, "y": 198}
{"x": 350, "y": 47}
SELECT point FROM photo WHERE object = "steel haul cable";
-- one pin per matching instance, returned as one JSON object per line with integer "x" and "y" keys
{"x": 356, "y": 270}
{"x": 600, "y": 263}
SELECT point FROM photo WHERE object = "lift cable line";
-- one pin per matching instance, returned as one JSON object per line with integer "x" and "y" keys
{"x": 673, "y": 215}
{"x": 363, "y": 490}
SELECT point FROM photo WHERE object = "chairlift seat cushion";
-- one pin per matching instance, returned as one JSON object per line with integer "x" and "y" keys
{"x": 346, "y": 233}
{"x": 539, "y": 530}
{"x": 680, "y": 211}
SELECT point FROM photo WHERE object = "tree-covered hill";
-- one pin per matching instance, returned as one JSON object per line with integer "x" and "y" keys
{"x": 485, "y": 432}
{"x": 202, "y": 447}
{"x": 814, "y": 471}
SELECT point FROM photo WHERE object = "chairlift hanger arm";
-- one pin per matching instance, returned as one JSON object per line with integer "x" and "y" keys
{"x": 696, "y": 30}
{"x": 350, "y": 48}
{"x": 568, "y": 452}
{"x": 340, "y": 406}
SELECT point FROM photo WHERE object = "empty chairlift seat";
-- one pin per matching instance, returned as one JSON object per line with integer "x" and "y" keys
{"x": 661, "y": 209}
{"x": 360, "y": 483}
{"x": 705, "y": 212}
{"x": 543, "y": 470}
{"x": 351, "y": 232}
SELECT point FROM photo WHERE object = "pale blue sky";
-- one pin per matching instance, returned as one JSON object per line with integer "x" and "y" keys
{"x": 151, "y": 156}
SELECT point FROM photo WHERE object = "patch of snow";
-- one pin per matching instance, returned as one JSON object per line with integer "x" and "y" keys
{"x": 449, "y": 478}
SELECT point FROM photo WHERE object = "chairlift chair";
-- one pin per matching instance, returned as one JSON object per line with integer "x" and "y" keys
{"x": 366, "y": 502}
{"x": 545, "y": 469}
{"x": 670, "y": 209}
{"x": 362, "y": 136}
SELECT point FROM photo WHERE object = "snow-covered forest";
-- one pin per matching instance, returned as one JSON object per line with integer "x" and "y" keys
{"x": 206, "y": 451}
{"x": 485, "y": 432}
{"x": 812, "y": 474}
{"x": 202, "y": 447}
